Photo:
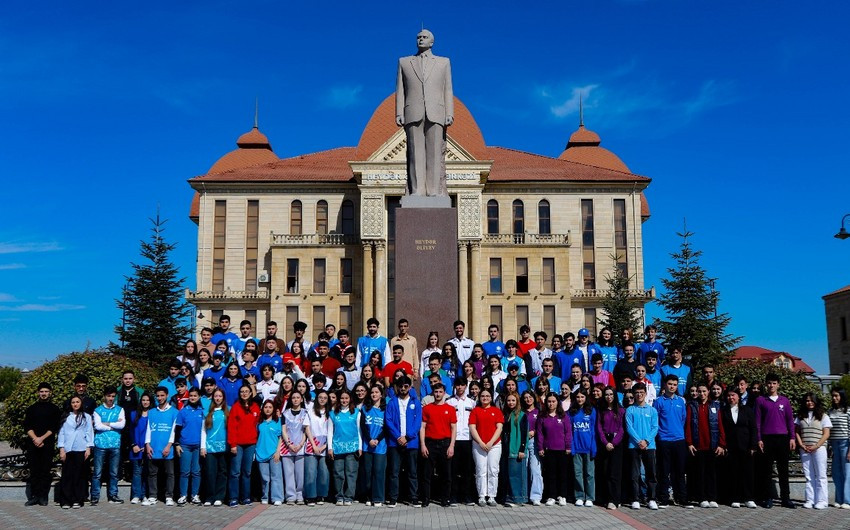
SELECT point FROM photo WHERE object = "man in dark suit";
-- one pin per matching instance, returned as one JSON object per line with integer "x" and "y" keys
{"x": 739, "y": 424}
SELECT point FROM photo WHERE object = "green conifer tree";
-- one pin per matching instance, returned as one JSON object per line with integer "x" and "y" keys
{"x": 618, "y": 309}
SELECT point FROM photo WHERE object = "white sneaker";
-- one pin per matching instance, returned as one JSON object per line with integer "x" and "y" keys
{"x": 264, "y": 501}
{"x": 536, "y": 503}
{"x": 713, "y": 504}
{"x": 821, "y": 506}
{"x": 636, "y": 505}
{"x": 217, "y": 503}
{"x": 278, "y": 503}
{"x": 208, "y": 503}
{"x": 703, "y": 504}
{"x": 339, "y": 503}
{"x": 588, "y": 503}
{"x": 378, "y": 505}
{"x": 134, "y": 500}
{"x": 611, "y": 506}
{"x": 196, "y": 499}
{"x": 751, "y": 504}
{"x": 148, "y": 502}
{"x": 550, "y": 502}
{"x": 482, "y": 501}
{"x": 653, "y": 505}
{"x": 807, "y": 505}
{"x": 347, "y": 503}
{"x": 562, "y": 501}
{"x": 368, "y": 503}
{"x": 736, "y": 505}
{"x": 579, "y": 502}
{"x": 836, "y": 505}
{"x": 169, "y": 502}
{"x": 845, "y": 506}
{"x": 181, "y": 500}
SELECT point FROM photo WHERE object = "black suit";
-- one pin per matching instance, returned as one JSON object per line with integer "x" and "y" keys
{"x": 741, "y": 439}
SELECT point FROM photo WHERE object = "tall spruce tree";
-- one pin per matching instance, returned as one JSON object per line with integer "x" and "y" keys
{"x": 619, "y": 310}
{"x": 690, "y": 304}
{"x": 155, "y": 314}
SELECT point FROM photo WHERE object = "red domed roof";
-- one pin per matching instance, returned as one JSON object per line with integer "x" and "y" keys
{"x": 583, "y": 148}
{"x": 254, "y": 138}
{"x": 253, "y": 148}
{"x": 583, "y": 137}
{"x": 382, "y": 126}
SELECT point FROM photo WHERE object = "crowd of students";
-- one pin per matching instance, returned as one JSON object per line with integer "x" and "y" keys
{"x": 613, "y": 423}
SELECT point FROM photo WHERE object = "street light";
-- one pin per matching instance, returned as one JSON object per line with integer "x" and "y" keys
{"x": 843, "y": 233}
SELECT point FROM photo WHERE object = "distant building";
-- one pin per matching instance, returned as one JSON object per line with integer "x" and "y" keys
{"x": 837, "y": 305}
{"x": 777, "y": 358}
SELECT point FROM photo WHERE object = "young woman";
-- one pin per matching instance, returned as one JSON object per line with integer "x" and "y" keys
{"x": 374, "y": 446}
{"x": 188, "y": 373}
{"x": 529, "y": 406}
{"x": 478, "y": 360}
{"x": 542, "y": 389}
{"x": 315, "y": 466}
{"x": 575, "y": 378}
{"x": 739, "y": 425}
{"x": 281, "y": 400}
{"x": 468, "y": 372}
{"x": 705, "y": 444}
{"x": 367, "y": 377}
{"x": 376, "y": 362}
{"x": 267, "y": 387}
{"x": 231, "y": 383}
{"x": 565, "y": 397}
{"x": 451, "y": 363}
{"x": 494, "y": 370}
{"x": 295, "y": 436}
{"x": 138, "y": 426}
{"x": 360, "y": 394}
{"x": 514, "y": 441}
{"x": 214, "y": 449}
{"x": 189, "y": 423}
{"x": 190, "y": 353}
{"x": 812, "y": 432}
{"x": 485, "y": 429}
{"x": 224, "y": 349}
{"x": 433, "y": 346}
{"x": 716, "y": 391}
{"x": 585, "y": 383}
{"x": 204, "y": 363}
{"x": 338, "y": 384}
{"x": 242, "y": 439}
{"x": 605, "y": 343}
{"x": 596, "y": 394}
{"x": 296, "y": 353}
{"x": 269, "y": 445}
{"x": 611, "y": 431}
{"x": 839, "y": 440}
{"x": 75, "y": 440}
{"x": 583, "y": 425}
{"x": 345, "y": 446}
{"x": 553, "y": 441}
{"x": 508, "y": 386}
{"x": 303, "y": 388}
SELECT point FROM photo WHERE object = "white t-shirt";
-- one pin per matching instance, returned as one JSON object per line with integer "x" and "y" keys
{"x": 402, "y": 414}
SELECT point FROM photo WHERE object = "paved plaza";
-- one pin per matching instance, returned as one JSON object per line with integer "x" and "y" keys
{"x": 15, "y": 515}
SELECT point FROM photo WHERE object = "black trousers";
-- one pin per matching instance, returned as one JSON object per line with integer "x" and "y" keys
{"x": 647, "y": 457}
{"x": 166, "y": 466}
{"x": 705, "y": 483}
{"x": 609, "y": 473}
{"x": 215, "y": 476}
{"x": 740, "y": 474}
{"x": 40, "y": 461}
{"x": 557, "y": 475}
{"x": 438, "y": 460}
{"x": 73, "y": 486}
{"x": 776, "y": 449}
{"x": 672, "y": 458}
{"x": 463, "y": 472}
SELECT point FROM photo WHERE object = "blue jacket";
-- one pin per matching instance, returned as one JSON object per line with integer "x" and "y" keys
{"x": 671, "y": 417}
{"x": 190, "y": 420}
{"x": 641, "y": 424}
{"x": 168, "y": 383}
{"x": 584, "y": 432}
{"x": 392, "y": 420}
{"x": 137, "y": 436}
{"x": 565, "y": 362}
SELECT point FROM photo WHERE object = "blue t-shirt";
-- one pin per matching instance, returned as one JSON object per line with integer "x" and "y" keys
{"x": 494, "y": 348}
{"x": 267, "y": 438}
{"x": 191, "y": 420}
{"x": 215, "y": 374}
{"x": 229, "y": 337}
{"x": 254, "y": 370}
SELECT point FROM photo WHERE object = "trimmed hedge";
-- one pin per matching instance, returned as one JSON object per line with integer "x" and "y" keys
{"x": 792, "y": 385}
{"x": 101, "y": 367}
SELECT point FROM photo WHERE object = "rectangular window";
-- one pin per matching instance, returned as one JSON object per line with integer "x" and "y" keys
{"x": 295, "y": 219}
{"x": 590, "y": 321}
{"x": 548, "y": 275}
{"x": 322, "y": 217}
{"x": 346, "y": 273}
{"x": 843, "y": 328}
{"x": 319, "y": 267}
{"x": 521, "y": 317}
{"x": 291, "y": 275}
{"x": 496, "y": 316}
{"x": 219, "y": 239}
{"x": 492, "y": 217}
{"x": 318, "y": 321}
{"x": 346, "y": 318}
{"x": 522, "y": 275}
{"x": 291, "y": 318}
{"x": 587, "y": 244}
{"x": 549, "y": 320}
{"x": 252, "y": 229}
{"x": 620, "y": 241}
{"x": 495, "y": 275}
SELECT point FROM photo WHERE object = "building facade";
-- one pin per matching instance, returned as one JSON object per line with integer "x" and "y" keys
{"x": 311, "y": 237}
{"x": 837, "y": 306}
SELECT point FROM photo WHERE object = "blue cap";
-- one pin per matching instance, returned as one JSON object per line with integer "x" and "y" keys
{"x": 513, "y": 364}
{"x": 583, "y": 332}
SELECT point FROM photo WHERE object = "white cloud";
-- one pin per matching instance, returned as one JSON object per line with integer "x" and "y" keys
{"x": 6, "y": 297}
{"x": 16, "y": 247}
{"x": 43, "y": 308}
{"x": 343, "y": 96}
{"x": 571, "y": 104}
{"x": 11, "y": 266}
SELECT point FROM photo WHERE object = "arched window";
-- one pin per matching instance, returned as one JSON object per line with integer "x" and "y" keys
{"x": 492, "y": 216}
{"x": 295, "y": 218}
{"x": 322, "y": 217}
{"x": 348, "y": 217}
{"x": 519, "y": 217}
{"x": 544, "y": 224}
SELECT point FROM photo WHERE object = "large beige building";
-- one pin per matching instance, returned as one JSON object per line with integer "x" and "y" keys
{"x": 311, "y": 237}
{"x": 837, "y": 306}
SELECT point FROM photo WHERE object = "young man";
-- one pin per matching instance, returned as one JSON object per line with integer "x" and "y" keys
{"x": 187, "y": 434}
{"x": 514, "y": 374}
{"x": 403, "y": 419}
{"x": 652, "y": 371}
{"x": 651, "y": 391}
{"x": 41, "y": 423}
{"x": 330, "y": 329}
{"x": 567, "y": 357}
{"x": 109, "y": 421}
{"x": 535, "y": 356}
{"x": 181, "y": 397}
{"x": 677, "y": 367}
{"x": 173, "y": 374}
{"x": 224, "y": 333}
{"x": 432, "y": 380}
{"x": 642, "y": 428}
{"x": 461, "y": 463}
{"x": 329, "y": 365}
{"x": 512, "y": 356}
{"x": 159, "y": 439}
{"x": 434, "y": 364}
{"x": 548, "y": 373}
{"x": 598, "y": 374}
{"x": 650, "y": 344}
{"x": 209, "y": 385}
{"x": 343, "y": 344}
{"x": 245, "y": 328}
{"x": 672, "y": 451}
{"x": 217, "y": 371}
{"x": 411, "y": 348}
{"x": 437, "y": 445}
{"x": 524, "y": 343}
{"x": 493, "y": 346}
{"x": 299, "y": 329}
{"x": 398, "y": 364}
{"x": 775, "y": 429}
{"x": 350, "y": 369}
{"x": 249, "y": 368}
{"x": 626, "y": 365}
{"x": 371, "y": 342}
{"x": 271, "y": 356}
{"x": 743, "y": 388}
{"x": 206, "y": 342}
{"x": 587, "y": 349}
{"x": 463, "y": 344}
{"x": 81, "y": 385}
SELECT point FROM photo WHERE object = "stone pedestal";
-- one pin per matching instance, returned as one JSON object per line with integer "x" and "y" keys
{"x": 426, "y": 271}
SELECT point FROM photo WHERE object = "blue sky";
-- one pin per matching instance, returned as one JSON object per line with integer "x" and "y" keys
{"x": 737, "y": 110}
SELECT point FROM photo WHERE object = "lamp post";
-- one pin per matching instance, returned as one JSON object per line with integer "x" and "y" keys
{"x": 843, "y": 233}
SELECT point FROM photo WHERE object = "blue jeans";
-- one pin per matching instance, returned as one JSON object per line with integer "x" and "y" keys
{"x": 138, "y": 487}
{"x": 398, "y": 457}
{"x": 345, "y": 476}
{"x": 583, "y": 467}
{"x": 190, "y": 467}
{"x": 535, "y": 471}
{"x": 316, "y": 477}
{"x": 841, "y": 470}
{"x": 272, "y": 475}
{"x": 112, "y": 456}
{"x": 375, "y": 470}
{"x": 240, "y": 472}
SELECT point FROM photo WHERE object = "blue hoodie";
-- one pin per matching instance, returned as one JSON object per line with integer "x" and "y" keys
{"x": 584, "y": 432}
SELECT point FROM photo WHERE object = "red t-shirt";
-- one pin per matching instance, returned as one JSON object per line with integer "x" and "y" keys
{"x": 390, "y": 368}
{"x": 525, "y": 347}
{"x": 438, "y": 420}
{"x": 485, "y": 421}
{"x": 330, "y": 367}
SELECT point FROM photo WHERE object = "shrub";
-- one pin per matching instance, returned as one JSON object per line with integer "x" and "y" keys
{"x": 9, "y": 378}
{"x": 101, "y": 367}
{"x": 844, "y": 383}
{"x": 792, "y": 385}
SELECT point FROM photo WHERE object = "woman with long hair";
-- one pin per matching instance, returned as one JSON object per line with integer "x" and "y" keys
{"x": 605, "y": 343}
{"x": 583, "y": 424}
{"x": 812, "y": 432}
{"x": 75, "y": 440}
{"x": 296, "y": 432}
{"x": 138, "y": 427}
{"x": 485, "y": 429}
{"x": 204, "y": 363}
{"x": 514, "y": 441}
{"x": 376, "y": 363}
{"x": 451, "y": 363}
{"x": 281, "y": 400}
{"x": 553, "y": 442}
{"x": 303, "y": 388}
{"x": 494, "y": 370}
{"x": 338, "y": 383}
{"x": 367, "y": 376}
{"x": 315, "y": 467}
{"x": 575, "y": 377}
{"x": 839, "y": 440}
{"x": 706, "y": 441}
{"x": 359, "y": 394}
{"x": 610, "y": 429}
{"x": 214, "y": 449}
{"x": 478, "y": 360}
{"x": 242, "y": 439}
{"x": 374, "y": 446}
{"x": 468, "y": 372}
{"x": 189, "y": 354}
{"x": 269, "y": 444}
{"x": 528, "y": 402}
{"x": 345, "y": 445}
{"x": 433, "y": 346}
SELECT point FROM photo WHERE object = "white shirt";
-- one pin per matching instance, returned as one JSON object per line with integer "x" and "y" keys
{"x": 734, "y": 411}
{"x": 464, "y": 348}
{"x": 463, "y": 407}
{"x": 402, "y": 414}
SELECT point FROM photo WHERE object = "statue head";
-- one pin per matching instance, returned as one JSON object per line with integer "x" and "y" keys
{"x": 424, "y": 40}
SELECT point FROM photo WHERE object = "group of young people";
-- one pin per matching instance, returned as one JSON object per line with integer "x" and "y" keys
{"x": 525, "y": 421}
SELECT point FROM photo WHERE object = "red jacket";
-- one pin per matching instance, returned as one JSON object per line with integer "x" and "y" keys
{"x": 241, "y": 425}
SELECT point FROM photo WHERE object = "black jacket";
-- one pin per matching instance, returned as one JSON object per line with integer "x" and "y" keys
{"x": 740, "y": 436}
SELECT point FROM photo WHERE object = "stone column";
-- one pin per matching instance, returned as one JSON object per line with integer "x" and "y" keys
{"x": 477, "y": 307}
{"x": 368, "y": 277}
{"x": 381, "y": 285}
{"x": 463, "y": 282}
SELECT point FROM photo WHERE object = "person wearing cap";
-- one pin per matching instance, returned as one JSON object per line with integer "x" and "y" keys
{"x": 650, "y": 344}
{"x": 512, "y": 356}
{"x": 217, "y": 371}
{"x": 81, "y": 385}
{"x": 173, "y": 374}
{"x": 403, "y": 419}
{"x": 585, "y": 349}
{"x": 109, "y": 421}
{"x": 515, "y": 376}
{"x": 41, "y": 423}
